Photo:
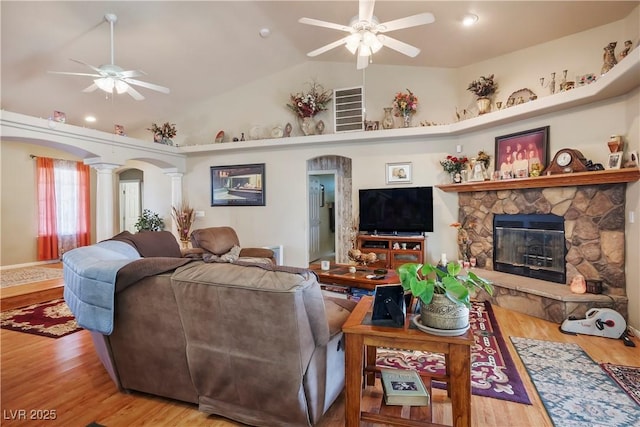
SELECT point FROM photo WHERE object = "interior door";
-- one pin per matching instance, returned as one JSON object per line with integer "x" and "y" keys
{"x": 129, "y": 205}
{"x": 314, "y": 218}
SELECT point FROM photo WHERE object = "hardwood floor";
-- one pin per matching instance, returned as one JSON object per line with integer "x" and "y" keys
{"x": 32, "y": 293}
{"x": 64, "y": 378}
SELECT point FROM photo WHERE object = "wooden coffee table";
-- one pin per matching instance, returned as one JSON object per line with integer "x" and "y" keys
{"x": 361, "y": 341}
{"x": 339, "y": 274}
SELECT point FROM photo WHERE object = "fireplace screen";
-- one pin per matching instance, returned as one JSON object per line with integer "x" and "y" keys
{"x": 530, "y": 245}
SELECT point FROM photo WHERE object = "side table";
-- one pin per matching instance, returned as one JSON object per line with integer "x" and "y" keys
{"x": 361, "y": 341}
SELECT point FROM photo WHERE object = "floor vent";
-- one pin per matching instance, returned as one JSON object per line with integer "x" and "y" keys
{"x": 349, "y": 109}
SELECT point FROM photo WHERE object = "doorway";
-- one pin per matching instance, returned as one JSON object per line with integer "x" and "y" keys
{"x": 322, "y": 233}
{"x": 337, "y": 171}
{"x": 130, "y": 198}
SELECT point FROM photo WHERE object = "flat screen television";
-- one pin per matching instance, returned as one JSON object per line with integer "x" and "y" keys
{"x": 396, "y": 210}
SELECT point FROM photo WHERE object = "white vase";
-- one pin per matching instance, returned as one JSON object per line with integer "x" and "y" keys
{"x": 307, "y": 125}
{"x": 484, "y": 105}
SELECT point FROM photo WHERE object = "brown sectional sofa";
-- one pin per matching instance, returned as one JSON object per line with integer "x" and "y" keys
{"x": 255, "y": 343}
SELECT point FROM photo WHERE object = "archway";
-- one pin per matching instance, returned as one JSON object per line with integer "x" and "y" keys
{"x": 343, "y": 213}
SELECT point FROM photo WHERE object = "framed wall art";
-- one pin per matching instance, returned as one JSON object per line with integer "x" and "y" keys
{"x": 522, "y": 153}
{"x": 399, "y": 173}
{"x": 239, "y": 185}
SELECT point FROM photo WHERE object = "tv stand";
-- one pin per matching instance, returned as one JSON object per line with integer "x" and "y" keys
{"x": 393, "y": 251}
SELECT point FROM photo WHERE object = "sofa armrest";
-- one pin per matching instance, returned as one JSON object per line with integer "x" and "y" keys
{"x": 192, "y": 253}
{"x": 337, "y": 311}
{"x": 257, "y": 253}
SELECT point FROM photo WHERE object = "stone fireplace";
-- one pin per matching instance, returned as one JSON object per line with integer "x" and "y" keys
{"x": 593, "y": 244}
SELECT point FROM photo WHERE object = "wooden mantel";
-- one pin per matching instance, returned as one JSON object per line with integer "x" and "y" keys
{"x": 559, "y": 180}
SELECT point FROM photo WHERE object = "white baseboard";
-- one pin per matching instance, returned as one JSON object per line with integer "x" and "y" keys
{"x": 28, "y": 264}
{"x": 634, "y": 331}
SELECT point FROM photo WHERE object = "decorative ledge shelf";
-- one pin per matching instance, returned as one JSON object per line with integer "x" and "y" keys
{"x": 620, "y": 80}
{"x": 559, "y": 180}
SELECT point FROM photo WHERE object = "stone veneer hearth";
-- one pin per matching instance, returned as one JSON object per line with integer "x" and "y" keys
{"x": 594, "y": 218}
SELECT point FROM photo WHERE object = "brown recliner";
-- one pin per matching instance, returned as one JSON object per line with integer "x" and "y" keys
{"x": 220, "y": 240}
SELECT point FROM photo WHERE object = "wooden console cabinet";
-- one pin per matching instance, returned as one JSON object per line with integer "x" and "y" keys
{"x": 393, "y": 251}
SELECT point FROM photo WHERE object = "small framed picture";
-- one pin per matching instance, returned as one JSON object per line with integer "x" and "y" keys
{"x": 399, "y": 173}
{"x": 633, "y": 160}
{"x": 615, "y": 160}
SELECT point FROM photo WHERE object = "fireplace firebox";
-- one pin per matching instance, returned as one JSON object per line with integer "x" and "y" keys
{"x": 530, "y": 245}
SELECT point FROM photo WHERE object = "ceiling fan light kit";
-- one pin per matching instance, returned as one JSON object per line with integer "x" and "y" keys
{"x": 365, "y": 36}
{"x": 108, "y": 77}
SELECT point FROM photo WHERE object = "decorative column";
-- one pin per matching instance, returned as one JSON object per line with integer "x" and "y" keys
{"x": 176, "y": 196}
{"x": 105, "y": 196}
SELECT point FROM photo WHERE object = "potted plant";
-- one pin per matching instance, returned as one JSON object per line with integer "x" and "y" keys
{"x": 149, "y": 221}
{"x": 444, "y": 294}
{"x": 483, "y": 88}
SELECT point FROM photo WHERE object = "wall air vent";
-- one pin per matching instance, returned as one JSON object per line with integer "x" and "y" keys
{"x": 348, "y": 109}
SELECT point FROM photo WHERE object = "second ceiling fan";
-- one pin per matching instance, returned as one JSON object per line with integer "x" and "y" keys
{"x": 367, "y": 35}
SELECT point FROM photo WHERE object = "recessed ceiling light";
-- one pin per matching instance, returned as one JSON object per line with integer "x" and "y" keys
{"x": 265, "y": 32}
{"x": 469, "y": 19}
{"x": 90, "y": 119}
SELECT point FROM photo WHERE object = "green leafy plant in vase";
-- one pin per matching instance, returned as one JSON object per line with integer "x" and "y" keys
{"x": 149, "y": 221}
{"x": 444, "y": 294}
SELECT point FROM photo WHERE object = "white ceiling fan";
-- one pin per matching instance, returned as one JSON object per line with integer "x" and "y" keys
{"x": 111, "y": 76}
{"x": 367, "y": 35}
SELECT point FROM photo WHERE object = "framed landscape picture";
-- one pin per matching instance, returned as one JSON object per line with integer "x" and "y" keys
{"x": 239, "y": 185}
{"x": 520, "y": 153}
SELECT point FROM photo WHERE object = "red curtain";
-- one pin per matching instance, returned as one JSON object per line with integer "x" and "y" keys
{"x": 46, "y": 190}
{"x": 84, "y": 210}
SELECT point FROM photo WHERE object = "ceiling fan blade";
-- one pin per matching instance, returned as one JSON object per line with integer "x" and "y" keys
{"x": 74, "y": 74}
{"x": 327, "y": 47}
{"x": 363, "y": 62}
{"x": 365, "y": 10}
{"x": 399, "y": 46}
{"x": 147, "y": 85}
{"x": 132, "y": 73}
{"x": 134, "y": 93}
{"x": 325, "y": 24}
{"x": 409, "y": 21}
{"x": 93, "y": 67}
{"x": 90, "y": 88}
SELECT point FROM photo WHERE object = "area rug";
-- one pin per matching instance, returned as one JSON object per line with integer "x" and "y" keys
{"x": 20, "y": 276}
{"x": 627, "y": 377}
{"x": 574, "y": 390}
{"x": 50, "y": 319}
{"x": 493, "y": 373}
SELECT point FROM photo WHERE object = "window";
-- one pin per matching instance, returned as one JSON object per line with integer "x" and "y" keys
{"x": 63, "y": 206}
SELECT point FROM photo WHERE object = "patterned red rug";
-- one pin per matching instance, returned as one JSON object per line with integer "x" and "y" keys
{"x": 493, "y": 373}
{"x": 50, "y": 319}
{"x": 627, "y": 377}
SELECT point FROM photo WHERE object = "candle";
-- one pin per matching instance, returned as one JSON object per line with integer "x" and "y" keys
{"x": 443, "y": 259}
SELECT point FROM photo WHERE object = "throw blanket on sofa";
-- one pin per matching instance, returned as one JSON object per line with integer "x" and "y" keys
{"x": 92, "y": 274}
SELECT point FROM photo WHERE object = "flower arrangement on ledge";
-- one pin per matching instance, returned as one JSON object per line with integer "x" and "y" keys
{"x": 483, "y": 87}
{"x": 184, "y": 216}
{"x": 405, "y": 104}
{"x": 453, "y": 164}
{"x": 311, "y": 103}
{"x": 167, "y": 130}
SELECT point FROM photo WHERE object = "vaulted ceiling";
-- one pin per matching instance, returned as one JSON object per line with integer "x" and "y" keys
{"x": 200, "y": 49}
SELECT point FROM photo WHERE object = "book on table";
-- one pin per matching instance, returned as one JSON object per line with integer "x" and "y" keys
{"x": 403, "y": 387}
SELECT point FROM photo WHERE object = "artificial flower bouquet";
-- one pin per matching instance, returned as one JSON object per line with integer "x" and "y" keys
{"x": 167, "y": 130}
{"x": 311, "y": 103}
{"x": 405, "y": 103}
{"x": 453, "y": 164}
{"x": 483, "y": 87}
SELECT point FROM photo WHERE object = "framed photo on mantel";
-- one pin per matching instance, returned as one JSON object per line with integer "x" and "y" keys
{"x": 239, "y": 185}
{"x": 522, "y": 154}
